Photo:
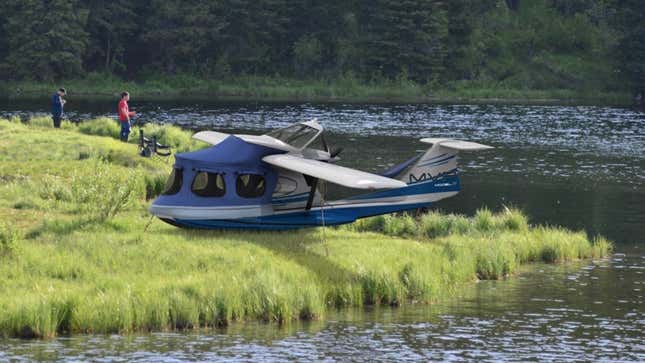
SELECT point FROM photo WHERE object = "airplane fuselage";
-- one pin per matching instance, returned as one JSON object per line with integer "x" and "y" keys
{"x": 274, "y": 181}
{"x": 288, "y": 211}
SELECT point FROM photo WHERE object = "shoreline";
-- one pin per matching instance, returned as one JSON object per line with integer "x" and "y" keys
{"x": 81, "y": 254}
{"x": 265, "y": 89}
{"x": 354, "y": 100}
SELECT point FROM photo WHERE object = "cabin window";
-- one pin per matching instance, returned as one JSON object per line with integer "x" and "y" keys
{"x": 208, "y": 184}
{"x": 250, "y": 185}
{"x": 173, "y": 184}
{"x": 296, "y": 135}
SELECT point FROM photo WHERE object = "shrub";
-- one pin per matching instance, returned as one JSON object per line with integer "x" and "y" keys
{"x": 601, "y": 247}
{"x": 154, "y": 185}
{"x": 370, "y": 224}
{"x": 484, "y": 220}
{"x": 495, "y": 262}
{"x": 434, "y": 225}
{"x": 10, "y": 238}
{"x": 102, "y": 191}
{"x": 400, "y": 226}
{"x": 511, "y": 219}
{"x": 107, "y": 190}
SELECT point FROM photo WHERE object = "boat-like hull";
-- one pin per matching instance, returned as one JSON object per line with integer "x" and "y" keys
{"x": 314, "y": 217}
{"x": 418, "y": 195}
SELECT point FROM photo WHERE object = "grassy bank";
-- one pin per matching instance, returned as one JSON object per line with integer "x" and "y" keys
{"x": 80, "y": 254}
{"x": 343, "y": 89}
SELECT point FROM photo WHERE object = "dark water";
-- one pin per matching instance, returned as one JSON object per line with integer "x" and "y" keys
{"x": 580, "y": 167}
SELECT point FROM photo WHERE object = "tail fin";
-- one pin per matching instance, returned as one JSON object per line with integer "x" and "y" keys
{"x": 440, "y": 159}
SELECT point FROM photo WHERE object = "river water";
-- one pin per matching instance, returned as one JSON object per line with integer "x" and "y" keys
{"x": 580, "y": 167}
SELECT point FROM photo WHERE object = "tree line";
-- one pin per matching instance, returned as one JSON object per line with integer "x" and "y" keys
{"x": 517, "y": 43}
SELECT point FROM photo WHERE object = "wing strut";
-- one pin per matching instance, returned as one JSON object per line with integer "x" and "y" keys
{"x": 312, "y": 193}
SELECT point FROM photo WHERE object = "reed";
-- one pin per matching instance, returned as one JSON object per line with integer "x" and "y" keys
{"x": 69, "y": 268}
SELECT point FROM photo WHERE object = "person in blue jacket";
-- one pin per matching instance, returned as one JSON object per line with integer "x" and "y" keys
{"x": 57, "y": 106}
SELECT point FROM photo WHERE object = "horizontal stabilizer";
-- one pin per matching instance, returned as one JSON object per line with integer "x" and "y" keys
{"x": 456, "y": 144}
{"x": 336, "y": 174}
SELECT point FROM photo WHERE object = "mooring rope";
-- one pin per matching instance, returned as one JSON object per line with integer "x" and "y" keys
{"x": 145, "y": 229}
{"x": 322, "y": 203}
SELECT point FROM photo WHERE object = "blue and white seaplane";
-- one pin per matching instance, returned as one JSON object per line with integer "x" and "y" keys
{"x": 271, "y": 181}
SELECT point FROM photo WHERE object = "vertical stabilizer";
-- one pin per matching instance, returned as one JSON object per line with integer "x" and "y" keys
{"x": 440, "y": 159}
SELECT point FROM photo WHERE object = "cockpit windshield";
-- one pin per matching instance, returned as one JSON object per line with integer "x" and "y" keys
{"x": 298, "y": 135}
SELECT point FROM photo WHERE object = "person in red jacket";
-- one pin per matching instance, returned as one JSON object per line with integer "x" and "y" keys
{"x": 124, "y": 116}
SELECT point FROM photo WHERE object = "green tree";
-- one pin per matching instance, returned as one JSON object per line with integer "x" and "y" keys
{"x": 573, "y": 7}
{"x": 463, "y": 54}
{"x": 255, "y": 36}
{"x": 316, "y": 30}
{"x": 4, "y": 46}
{"x": 513, "y": 4}
{"x": 111, "y": 25}
{"x": 46, "y": 39}
{"x": 630, "y": 20}
{"x": 347, "y": 45}
{"x": 307, "y": 53}
{"x": 405, "y": 36}
{"x": 181, "y": 36}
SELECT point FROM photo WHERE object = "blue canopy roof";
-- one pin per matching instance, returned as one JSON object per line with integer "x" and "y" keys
{"x": 232, "y": 151}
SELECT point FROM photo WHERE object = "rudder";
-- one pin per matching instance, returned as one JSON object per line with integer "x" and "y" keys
{"x": 440, "y": 159}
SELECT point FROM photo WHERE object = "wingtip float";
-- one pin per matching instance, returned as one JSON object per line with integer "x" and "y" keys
{"x": 271, "y": 182}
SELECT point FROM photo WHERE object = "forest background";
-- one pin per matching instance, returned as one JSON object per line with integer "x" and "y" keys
{"x": 491, "y": 48}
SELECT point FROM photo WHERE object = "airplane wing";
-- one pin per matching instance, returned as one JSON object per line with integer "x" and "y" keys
{"x": 336, "y": 174}
{"x": 214, "y": 138}
{"x": 211, "y": 137}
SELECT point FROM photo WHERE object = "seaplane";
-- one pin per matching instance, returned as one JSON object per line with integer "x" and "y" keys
{"x": 273, "y": 181}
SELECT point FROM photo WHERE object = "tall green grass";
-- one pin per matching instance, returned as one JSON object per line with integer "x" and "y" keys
{"x": 101, "y": 194}
{"x": 10, "y": 239}
{"x": 80, "y": 254}
{"x": 498, "y": 242}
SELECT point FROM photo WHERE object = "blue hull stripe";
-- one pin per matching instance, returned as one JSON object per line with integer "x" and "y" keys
{"x": 301, "y": 219}
{"x": 291, "y": 199}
